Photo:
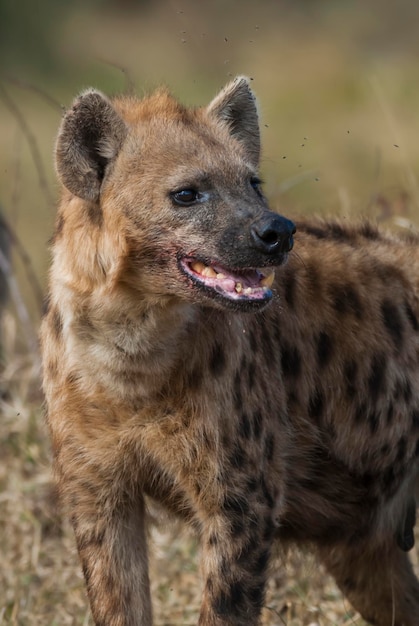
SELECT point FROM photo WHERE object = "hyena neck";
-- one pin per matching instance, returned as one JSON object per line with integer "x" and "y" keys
{"x": 133, "y": 353}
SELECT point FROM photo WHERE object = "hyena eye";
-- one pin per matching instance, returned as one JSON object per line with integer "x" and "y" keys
{"x": 256, "y": 183}
{"x": 185, "y": 196}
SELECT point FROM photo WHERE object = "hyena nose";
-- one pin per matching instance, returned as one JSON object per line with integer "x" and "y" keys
{"x": 273, "y": 234}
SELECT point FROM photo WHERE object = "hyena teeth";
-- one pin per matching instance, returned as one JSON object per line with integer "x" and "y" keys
{"x": 220, "y": 276}
{"x": 209, "y": 272}
{"x": 267, "y": 281}
{"x": 248, "y": 291}
{"x": 198, "y": 267}
{"x": 239, "y": 287}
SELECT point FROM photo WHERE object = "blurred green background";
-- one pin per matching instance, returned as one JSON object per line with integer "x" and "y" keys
{"x": 337, "y": 83}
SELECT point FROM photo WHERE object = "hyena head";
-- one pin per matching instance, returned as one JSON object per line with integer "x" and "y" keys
{"x": 177, "y": 191}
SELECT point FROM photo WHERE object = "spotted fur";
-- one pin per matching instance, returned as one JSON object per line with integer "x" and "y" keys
{"x": 295, "y": 421}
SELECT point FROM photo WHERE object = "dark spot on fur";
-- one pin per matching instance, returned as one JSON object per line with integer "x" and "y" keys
{"x": 313, "y": 277}
{"x": 411, "y": 316}
{"x": 222, "y": 604}
{"x": 369, "y": 231}
{"x": 268, "y": 351}
{"x": 251, "y": 371}
{"x": 95, "y": 214}
{"x": 360, "y": 412}
{"x": 385, "y": 449}
{"x": 349, "y": 584}
{"x": 266, "y": 493}
{"x": 269, "y": 446}
{"x": 252, "y": 483}
{"x": 225, "y": 440}
{"x": 289, "y": 282}
{"x": 269, "y": 529}
{"x": 256, "y": 595}
{"x": 252, "y": 340}
{"x": 403, "y": 389}
{"x": 388, "y": 272}
{"x": 401, "y": 449}
{"x": 389, "y": 478}
{"x": 229, "y": 602}
{"x": 238, "y": 401}
{"x": 350, "y": 373}
{"x": 292, "y": 399}
{"x": 290, "y": 362}
{"x": 316, "y": 404}
{"x": 398, "y": 389}
{"x": 237, "y": 458}
{"x": 261, "y": 563}
{"x": 346, "y": 300}
{"x": 376, "y": 379}
{"x": 367, "y": 479}
{"x": 414, "y": 416}
{"x": 331, "y": 431}
{"x": 244, "y": 427}
{"x": 237, "y": 591}
{"x": 405, "y": 534}
{"x": 236, "y": 503}
{"x": 72, "y": 378}
{"x": 392, "y": 321}
{"x": 46, "y": 305}
{"x": 315, "y": 231}
{"x": 257, "y": 424}
{"x": 390, "y": 413}
{"x": 217, "y": 361}
{"x": 145, "y": 315}
{"x": 213, "y": 540}
{"x": 277, "y": 331}
{"x": 59, "y": 225}
{"x": 324, "y": 349}
{"x": 195, "y": 378}
{"x": 338, "y": 232}
{"x": 237, "y": 526}
{"x": 86, "y": 573}
{"x": 248, "y": 549}
{"x": 373, "y": 422}
{"x": 407, "y": 391}
{"x": 208, "y": 441}
{"x": 57, "y": 323}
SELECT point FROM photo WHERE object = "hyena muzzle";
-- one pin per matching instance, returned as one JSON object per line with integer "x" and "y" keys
{"x": 178, "y": 369}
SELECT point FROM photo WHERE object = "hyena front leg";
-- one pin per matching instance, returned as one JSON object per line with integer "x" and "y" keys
{"x": 235, "y": 560}
{"x": 110, "y": 532}
{"x": 378, "y": 581}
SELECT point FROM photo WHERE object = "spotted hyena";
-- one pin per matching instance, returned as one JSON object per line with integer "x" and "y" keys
{"x": 177, "y": 368}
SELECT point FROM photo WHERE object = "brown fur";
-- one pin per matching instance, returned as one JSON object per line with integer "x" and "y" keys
{"x": 298, "y": 420}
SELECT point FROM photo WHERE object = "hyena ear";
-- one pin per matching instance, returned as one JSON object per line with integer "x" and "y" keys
{"x": 236, "y": 106}
{"x": 90, "y": 136}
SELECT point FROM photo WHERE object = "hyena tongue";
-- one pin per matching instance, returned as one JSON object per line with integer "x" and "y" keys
{"x": 249, "y": 283}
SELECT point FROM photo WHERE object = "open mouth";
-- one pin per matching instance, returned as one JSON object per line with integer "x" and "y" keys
{"x": 238, "y": 286}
